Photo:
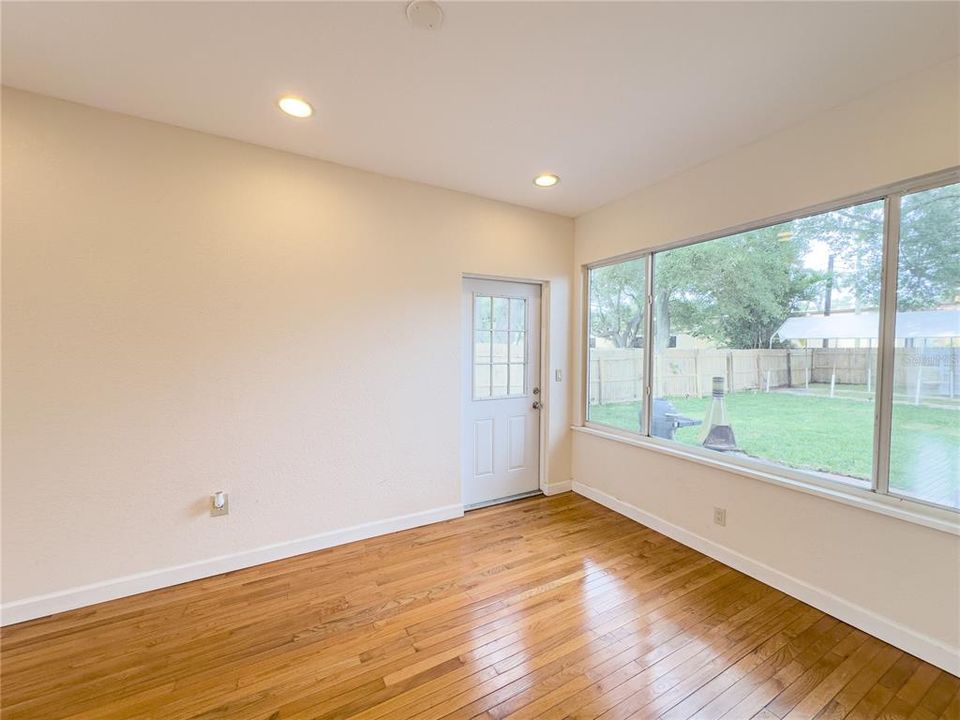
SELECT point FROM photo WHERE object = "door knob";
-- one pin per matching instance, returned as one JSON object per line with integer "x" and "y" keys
{"x": 537, "y": 404}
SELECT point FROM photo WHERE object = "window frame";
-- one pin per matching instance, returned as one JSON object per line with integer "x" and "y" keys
{"x": 647, "y": 327}
{"x": 877, "y": 492}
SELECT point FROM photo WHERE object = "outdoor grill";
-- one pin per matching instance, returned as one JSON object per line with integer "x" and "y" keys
{"x": 666, "y": 420}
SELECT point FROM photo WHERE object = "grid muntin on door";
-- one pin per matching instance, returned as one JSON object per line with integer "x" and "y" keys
{"x": 500, "y": 353}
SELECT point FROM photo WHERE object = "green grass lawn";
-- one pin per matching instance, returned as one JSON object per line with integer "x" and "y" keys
{"x": 859, "y": 392}
{"x": 832, "y": 435}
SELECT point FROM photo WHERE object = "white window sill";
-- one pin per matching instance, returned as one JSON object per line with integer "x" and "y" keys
{"x": 914, "y": 512}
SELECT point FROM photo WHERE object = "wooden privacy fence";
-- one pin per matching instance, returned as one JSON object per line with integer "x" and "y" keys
{"x": 616, "y": 373}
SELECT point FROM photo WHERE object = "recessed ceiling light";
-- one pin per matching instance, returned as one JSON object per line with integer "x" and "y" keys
{"x": 546, "y": 180}
{"x": 425, "y": 14}
{"x": 298, "y": 107}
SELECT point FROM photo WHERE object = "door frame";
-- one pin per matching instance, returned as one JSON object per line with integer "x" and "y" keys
{"x": 544, "y": 374}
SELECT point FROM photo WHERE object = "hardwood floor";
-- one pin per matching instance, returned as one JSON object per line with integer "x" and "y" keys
{"x": 543, "y": 608}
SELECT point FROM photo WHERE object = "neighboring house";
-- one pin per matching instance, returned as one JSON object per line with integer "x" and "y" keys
{"x": 920, "y": 328}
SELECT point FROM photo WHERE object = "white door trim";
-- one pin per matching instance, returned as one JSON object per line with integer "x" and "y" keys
{"x": 545, "y": 365}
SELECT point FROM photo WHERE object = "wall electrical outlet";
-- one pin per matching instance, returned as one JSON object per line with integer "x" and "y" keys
{"x": 219, "y": 504}
{"x": 720, "y": 516}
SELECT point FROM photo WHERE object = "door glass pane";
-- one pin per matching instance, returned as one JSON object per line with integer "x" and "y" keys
{"x": 500, "y": 313}
{"x": 481, "y": 381}
{"x": 518, "y": 314}
{"x": 615, "y": 350}
{"x": 499, "y": 381}
{"x": 482, "y": 312}
{"x": 925, "y": 432}
{"x": 516, "y": 379}
{"x": 481, "y": 350}
{"x": 499, "y": 350}
{"x": 765, "y": 343}
{"x": 517, "y": 347}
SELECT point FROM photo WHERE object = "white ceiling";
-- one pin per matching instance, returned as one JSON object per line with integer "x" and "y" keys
{"x": 611, "y": 96}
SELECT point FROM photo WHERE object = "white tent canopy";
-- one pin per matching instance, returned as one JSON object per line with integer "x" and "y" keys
{"x": 866, "y": 325}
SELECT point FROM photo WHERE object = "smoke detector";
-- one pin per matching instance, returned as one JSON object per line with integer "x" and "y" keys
{"x": 425, "y": 14}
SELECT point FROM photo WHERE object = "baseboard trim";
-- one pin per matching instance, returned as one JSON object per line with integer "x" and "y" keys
{"x": 922, "y": 646}
{"x": 557, "y": 488}
{"x": 43, "y": 605}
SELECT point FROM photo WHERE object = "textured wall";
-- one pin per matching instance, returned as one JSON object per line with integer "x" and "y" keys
{"x": 184, "y": 313}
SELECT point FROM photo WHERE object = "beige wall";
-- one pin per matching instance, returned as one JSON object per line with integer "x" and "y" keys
{"x": 177, "y": 309}
{"x": 906, "y": 575}
{"x": 184, "y": 313}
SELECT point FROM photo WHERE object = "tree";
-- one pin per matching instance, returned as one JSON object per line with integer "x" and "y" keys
{"x": 929, "y": 271}
{"x": 735, "y": 290}
{"x": 738, "y": 290}
{"x": 616, "y": 302}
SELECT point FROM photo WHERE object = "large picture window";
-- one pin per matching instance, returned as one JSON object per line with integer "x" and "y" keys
{"x": 767, "y": 341}
{"x": 925, "y": 432}
{"x": 615, "y": 344}
{"x": 767, "y": 346}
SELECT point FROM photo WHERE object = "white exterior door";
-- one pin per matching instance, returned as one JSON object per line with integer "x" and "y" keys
{"x": 500, "y": 428}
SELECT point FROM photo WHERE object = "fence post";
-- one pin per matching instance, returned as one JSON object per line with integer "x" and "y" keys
{"x": 696, "y": 372}
{"x": 730, "y": 388}
{"x": 916, "y": 392}
{"x": 953, "y": 372}
{"x": 599, "y": 380}
{"x": 635, "y": 375}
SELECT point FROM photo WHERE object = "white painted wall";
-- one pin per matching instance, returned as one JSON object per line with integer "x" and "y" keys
{"x": 184, "y": 313}
{"x": 907, "y": 577}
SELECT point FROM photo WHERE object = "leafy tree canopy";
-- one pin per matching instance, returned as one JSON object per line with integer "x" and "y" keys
{"x": 929, "y": 269}
{"x": 737, "y": 290}
{"x": 616, "y": 302}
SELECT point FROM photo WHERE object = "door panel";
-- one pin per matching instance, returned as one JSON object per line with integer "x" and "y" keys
{"x": 516, "y": 441}
{"x": 500, "y": 375}
{"x": 483, "y": 448}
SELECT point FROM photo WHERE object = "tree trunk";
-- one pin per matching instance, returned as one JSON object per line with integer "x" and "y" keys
{"x": 828, "y": 295}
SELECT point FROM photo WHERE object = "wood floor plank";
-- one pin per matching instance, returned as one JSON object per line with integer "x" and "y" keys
{"x": 937, "y": 699}
{"x": 952, "y": 709}
{"x": 643, "y": 647}
{"x": 828, "y": 632}
{"x": 745, "y": 683}
{"x": 647, "y": 668}
{"x": 808, "y": 683}
{"x": 552, "y": 608}
{"x": 844, "y": 701}
{"x": 662, "y": 617}
{"x": 885, "y": 688}
{"x": 717, "y": 686}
